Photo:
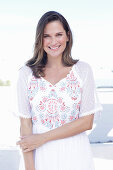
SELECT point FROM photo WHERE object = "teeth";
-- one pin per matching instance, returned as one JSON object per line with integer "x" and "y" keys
{"x": 54, "y": 48}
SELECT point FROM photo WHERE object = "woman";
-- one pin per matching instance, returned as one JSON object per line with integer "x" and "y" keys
{"x": 57, "y": 101}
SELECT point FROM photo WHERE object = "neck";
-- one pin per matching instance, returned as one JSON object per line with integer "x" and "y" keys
{"x": 54, "y": 62}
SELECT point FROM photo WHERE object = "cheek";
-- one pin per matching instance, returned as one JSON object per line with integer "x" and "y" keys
{"x": 45, "y": 42}
{"x": 63, "y": 40}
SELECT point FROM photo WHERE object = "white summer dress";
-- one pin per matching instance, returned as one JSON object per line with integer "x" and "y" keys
{"x": 51, "y": 106}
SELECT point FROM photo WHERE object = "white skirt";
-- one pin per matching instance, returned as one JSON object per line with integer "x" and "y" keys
{"x": 72, "y": 153}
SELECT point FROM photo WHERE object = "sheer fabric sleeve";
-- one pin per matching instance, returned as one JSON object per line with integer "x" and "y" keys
{"x": 89, "y": 100}
{"x": 23, "y": 105}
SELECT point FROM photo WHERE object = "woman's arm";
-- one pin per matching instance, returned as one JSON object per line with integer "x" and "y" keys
{"x": 26, "y": 129}
{"x": 69, "y": 129}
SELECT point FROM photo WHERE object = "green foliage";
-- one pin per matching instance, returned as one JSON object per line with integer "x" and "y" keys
{"x": 5, "y": 83}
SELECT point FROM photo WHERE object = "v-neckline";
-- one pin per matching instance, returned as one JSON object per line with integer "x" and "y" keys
{"x": 54, "y": 85}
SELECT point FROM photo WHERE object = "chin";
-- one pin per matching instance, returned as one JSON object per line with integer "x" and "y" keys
{"x": 55, "y": 55}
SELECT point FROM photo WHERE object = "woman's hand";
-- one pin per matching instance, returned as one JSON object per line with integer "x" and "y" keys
{"x": 31, "y": 142}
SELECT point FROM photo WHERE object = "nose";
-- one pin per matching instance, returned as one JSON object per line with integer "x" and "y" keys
{"x": 53, "y": 40}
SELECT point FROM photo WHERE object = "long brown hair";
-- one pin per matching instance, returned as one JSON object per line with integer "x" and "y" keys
{"x": 38, "y": 62}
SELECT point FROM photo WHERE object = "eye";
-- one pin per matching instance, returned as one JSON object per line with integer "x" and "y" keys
{"x": 59, "y": 34}
{"x": 45, "y": 36}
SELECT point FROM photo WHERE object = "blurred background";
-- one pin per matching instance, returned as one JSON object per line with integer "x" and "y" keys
{"x": 91, "y": 22}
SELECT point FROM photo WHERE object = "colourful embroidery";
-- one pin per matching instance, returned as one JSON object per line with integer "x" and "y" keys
{"x": 55, "y": 105}
{"x": 34, "y": 86}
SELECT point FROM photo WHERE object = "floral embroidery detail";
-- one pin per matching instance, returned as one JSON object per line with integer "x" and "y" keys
{"x": 52, "y": 109}
{"x": 34, "y": 118}
{"x": 72, "y": 85}
{"x": 53, "y": 106}
{"x": 73, "y": 115}
{"x": 35, "y": 85}
{"x": 62, "y": 88}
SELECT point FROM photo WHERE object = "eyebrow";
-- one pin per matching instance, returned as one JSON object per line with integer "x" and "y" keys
{"x": 56, "y": 33}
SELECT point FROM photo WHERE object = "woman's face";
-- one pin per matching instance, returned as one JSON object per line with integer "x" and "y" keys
{"x": 54, "y": 39}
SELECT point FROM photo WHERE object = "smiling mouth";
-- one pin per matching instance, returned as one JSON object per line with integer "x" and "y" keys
{"x": 54, "y": 48}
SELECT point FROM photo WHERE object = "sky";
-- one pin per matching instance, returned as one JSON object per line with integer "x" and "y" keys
{"x": 91, "y": 22}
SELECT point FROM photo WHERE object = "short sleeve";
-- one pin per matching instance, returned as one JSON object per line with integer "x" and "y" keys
{"x": 23, "y": 105}
{"x": 89, "y": 100}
